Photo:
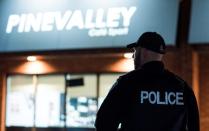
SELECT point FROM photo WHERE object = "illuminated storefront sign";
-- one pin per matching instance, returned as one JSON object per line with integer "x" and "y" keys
{"x": 67, "y": 24}
{"x": 104, "y": 23}
{"x": 199, "y": 30}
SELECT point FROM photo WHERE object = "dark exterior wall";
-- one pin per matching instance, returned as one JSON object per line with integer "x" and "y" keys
{"x": 2, "y": 101}
{"x": 204, "y": 90}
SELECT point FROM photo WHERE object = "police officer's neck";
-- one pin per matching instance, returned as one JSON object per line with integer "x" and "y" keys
{"x": 147, "y": 56}
{"x": 150, "y": 60}
{"x": 146, "y": 62}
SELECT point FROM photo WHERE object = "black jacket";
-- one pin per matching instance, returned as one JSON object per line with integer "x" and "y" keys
{"x": 149, "y": 99}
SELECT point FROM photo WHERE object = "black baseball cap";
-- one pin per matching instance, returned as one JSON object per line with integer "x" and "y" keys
{"x": 151, "y": 41}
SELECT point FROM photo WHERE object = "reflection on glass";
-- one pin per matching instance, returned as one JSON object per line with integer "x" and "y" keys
{"x": 82, "y": 112}
{"x": 20, "y": 96}
{"x": 81, "y": 101}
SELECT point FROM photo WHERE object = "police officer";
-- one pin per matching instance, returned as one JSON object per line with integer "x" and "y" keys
{"x": 150, "y": 98}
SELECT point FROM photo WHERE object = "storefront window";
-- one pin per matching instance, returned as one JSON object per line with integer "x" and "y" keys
{"x": 43, "y": 101}
{"x": 20, "y": 101}
{"x": 81, "y": 100}
{"x": 35, "y": 101}
{"x": 49, "y": 93}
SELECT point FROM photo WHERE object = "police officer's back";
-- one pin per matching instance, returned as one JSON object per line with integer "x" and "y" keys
{"x": 150, "y": 98}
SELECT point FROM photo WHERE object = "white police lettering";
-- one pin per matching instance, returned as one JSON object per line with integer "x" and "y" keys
{"x": 100, "y": 22}
{"x": 159, "y": 98}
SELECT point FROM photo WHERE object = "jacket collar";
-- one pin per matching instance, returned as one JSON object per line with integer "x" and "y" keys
{"x": 153, "y": 66}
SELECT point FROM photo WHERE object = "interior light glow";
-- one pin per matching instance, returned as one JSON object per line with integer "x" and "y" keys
{"x": 31, "y": 58}
{"x": 128, "y": 55}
